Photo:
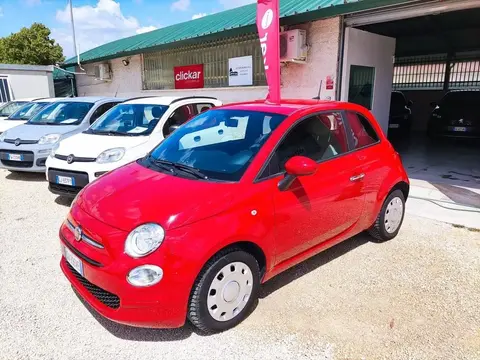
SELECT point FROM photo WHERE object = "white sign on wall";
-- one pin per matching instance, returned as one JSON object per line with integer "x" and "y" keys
{"x": 240, "y": 71}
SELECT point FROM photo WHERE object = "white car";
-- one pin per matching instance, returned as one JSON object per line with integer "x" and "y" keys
{"x": 24, "y": 113}
{"x": 124, "y": 134}
{"x": 10, "y": 107}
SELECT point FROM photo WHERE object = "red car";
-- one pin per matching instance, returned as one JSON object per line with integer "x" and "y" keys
{"x": 229, "y": 200}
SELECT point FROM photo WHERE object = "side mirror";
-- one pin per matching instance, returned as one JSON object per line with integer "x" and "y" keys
{"x": 433, "y": 104}
{"x": 297, "y": 166}
{"x": 410, "y": 103}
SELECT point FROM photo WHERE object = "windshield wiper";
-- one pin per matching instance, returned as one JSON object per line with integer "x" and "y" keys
{"x": 185, "y": 168}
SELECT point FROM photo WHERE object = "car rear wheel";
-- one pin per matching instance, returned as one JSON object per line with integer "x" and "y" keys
{"x": 390, "y": 218}
{"x": 225, "y": 292}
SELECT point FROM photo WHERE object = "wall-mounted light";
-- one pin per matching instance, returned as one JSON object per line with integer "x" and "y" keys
{"x": 126, "y": 61}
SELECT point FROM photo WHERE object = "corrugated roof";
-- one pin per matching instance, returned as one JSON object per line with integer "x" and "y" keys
{"x": 227, "y": 21}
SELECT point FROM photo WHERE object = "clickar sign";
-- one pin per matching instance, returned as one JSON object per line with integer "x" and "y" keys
{"x": 188, "y": 77}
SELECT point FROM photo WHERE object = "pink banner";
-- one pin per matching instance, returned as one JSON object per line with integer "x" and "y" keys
{"x": 268, "y": 25}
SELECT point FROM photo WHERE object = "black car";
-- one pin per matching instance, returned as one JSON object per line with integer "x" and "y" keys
{"x": 456, "y": 115}
{"x": 400, "y": 113}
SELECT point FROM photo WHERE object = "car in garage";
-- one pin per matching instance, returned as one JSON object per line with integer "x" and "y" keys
{"x": 124, "y": 134}
{"x": 230, "y": 199}
{"x": 26, "y": 147}
{"x": 457, "y": 114}
{"x": 400, "y": 120}
{"x": 22, "y": 115}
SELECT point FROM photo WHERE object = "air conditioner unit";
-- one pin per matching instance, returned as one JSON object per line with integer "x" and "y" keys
{"x": 102, "y": 72}
{"x": 293, "y": 46}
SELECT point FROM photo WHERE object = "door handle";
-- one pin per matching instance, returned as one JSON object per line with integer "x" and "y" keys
{"x": 357, "y": 177}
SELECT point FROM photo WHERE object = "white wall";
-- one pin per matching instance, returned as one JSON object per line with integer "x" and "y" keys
{"x": 298, "y": 80}
{"x": 28, "y": 83}
{"x": 367, "y": 49}
{"x": 303, "y": 80}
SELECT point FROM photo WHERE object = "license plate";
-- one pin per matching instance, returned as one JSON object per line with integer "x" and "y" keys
{"x": 394, "y": 126}
{"x": 460, "y": 128}
{"x": 65, "y": 180}
{"x": 15, "y": 157}
{"x": 73, "y": 260}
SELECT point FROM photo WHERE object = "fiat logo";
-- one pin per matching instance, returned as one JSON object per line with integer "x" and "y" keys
{"x": 70, "y": 159}
{"x": 460, "y": 121}
{"x": 78, "y": 233}
{"x": 17, "y": 142}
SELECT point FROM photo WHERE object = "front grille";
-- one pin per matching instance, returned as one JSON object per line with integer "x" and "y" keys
{"x": 21, "y": 142}
{"x": 64, "y": 189}
{"x": 27, "y": 158}
{"x": 75, "y": 158}
{"x": 105, "y": 297}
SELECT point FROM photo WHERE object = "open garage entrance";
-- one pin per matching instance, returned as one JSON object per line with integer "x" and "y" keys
{"x": 422, "y": 52}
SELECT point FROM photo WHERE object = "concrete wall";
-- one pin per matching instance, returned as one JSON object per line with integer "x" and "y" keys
{"x": 367, "y": 49}
{"x": 25, "y": 82}
{"x": 298, "y": 80}
{"x": 303, "y": 80}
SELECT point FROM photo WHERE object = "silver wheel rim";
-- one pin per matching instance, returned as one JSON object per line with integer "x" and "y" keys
{"x": 229, "y": 291}
{"x": 393, "y": 215}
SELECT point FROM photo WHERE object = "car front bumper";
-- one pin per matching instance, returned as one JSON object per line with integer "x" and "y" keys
{"x": 81, "y": 173}
{"x": 33, "y": 157}
{"x": 104, "y": 285}
{"x": 455, "y": 131}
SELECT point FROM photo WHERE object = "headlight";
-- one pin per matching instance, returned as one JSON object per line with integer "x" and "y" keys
{"x": 3, "y": 136}
{"x": 54, "y": 149}
{"x": 49, "y": 139}
{"x": 145, "y": 275}
{"x": 111, "y": 155}
{"x": 144, "y": 240}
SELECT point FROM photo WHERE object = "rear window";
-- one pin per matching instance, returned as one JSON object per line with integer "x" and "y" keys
{"x": 461, "y": 99}
{"x": 362, "y": 131}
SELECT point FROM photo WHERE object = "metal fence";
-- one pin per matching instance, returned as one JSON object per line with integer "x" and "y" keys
{"x": 436, "y": 72}
{"x": 158, "y": 66}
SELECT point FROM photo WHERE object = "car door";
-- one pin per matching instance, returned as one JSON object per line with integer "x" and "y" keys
{"x": 318, "y": 207}
{"x": 370, "y": 166}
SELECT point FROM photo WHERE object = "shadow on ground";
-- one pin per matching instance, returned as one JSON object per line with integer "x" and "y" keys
{"x": 144, "y": 334}
{"x": 64, "y": 201}
{"x": 26, "y": 176}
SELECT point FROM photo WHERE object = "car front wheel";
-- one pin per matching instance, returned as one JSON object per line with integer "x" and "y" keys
{"x": 225, "y": 291}
{"x": 390, "y": 219}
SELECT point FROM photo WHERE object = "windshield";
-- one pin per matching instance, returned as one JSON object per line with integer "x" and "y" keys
{"x": 220, "y": 144}
{"x": 461, "y": 99}
{"x": 129, "y": 120}
{"x": 9, "y": 108}
{"x": 62, "y": 113}
{"x": 27, "y": 111}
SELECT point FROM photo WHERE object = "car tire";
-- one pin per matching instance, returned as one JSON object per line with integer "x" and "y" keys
{"x": 390, "y": 219}
{"x": 225, "y": 292}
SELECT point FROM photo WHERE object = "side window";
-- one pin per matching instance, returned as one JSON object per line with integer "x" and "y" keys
{"x": 178, "y": 117}
{"x": 320, "y": 137}
{"x": 203, "y": 107}
{"x": 101, "y": 110}
{"x": 363, "y": 133}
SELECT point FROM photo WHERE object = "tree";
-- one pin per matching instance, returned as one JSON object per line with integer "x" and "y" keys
{"x": 31, "y": 46}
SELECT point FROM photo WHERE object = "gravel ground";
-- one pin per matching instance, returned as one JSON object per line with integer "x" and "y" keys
{"x": 415, "y": 297}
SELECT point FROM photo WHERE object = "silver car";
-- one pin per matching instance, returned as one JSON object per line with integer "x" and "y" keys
{"x": 26, "y": 147}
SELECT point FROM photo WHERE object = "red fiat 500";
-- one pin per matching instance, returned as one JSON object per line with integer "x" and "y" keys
{"x": 229, "y": 200}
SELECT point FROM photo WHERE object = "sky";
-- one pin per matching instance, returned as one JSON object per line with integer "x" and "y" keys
{"x": 100, "y": 21}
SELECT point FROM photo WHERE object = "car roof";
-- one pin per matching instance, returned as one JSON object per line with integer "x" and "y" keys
{"x": 92, "y": 99}
{"x": 286, "y": 107}
{"x": 165, "y": 100}
{"x": 27, "y": 99}
{"x": 49, "y": 99}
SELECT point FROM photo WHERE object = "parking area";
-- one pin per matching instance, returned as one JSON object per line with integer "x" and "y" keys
{"x": 415, "y": 297}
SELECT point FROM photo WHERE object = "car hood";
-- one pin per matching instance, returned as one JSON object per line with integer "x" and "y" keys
{"x": 35, "y": 132}
{"x": 133, "y": 195}
{"x": 97, "y": 144}
{"x": 8, "y": 124}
